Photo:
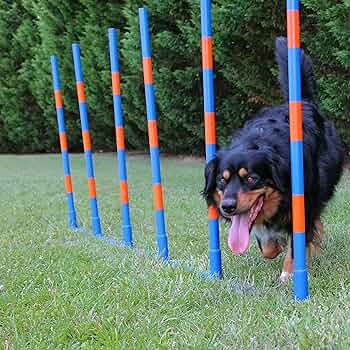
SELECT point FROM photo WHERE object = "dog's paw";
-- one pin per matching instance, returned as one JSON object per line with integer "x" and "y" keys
{"x": 285, "y": 276}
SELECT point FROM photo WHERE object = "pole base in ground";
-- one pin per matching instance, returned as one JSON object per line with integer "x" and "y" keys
{"x": 300, "y": 285}
{"x": 96, "y": 226}
{"x": 73, "y": 225}
{"x": 81, "y": 229}
{"x": 127, "y": 235}
{"x": 109, "y": 240}
{"x": 72, "y": 220}
{"x": 213, "y": 276}
{"x": 72, "y": 215}
{"x": 215, "y": 266}
{"x": 163, "y": 252}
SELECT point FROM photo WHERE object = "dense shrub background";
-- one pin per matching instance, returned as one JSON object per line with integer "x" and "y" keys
{"x": 244, "y": 32}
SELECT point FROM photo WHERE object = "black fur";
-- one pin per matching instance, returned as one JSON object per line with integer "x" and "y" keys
{"x": 262, "y": 146}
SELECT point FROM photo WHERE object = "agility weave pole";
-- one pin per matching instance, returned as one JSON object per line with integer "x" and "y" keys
{"x": 215, "y": 266}
{"x": 95, "y": 219}
{"x": 120, "y": 137}
{"x": 296, "y": 139}
{"x": 72, "y": 216}
{"x": 162, "y": 240}
{"x": 300, "y": 275}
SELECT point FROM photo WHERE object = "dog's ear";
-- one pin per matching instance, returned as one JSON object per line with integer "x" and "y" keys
{"x": 210, "y": 180}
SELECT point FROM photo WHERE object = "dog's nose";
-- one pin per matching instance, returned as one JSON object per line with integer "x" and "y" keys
{"x": 229, "y": 205}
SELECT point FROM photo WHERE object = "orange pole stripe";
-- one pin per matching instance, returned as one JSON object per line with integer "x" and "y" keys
{"x": 80, "y": 91}
{"x": 153, "y": 133}
{"x": 213, "y": 212}
{"x": 207, "y": 52}
{"x": 68, "y": 181}
{"x": 119, "y": 134}
{"x": 210, "y": 128}
{"x": 147, "y": 70}
{"x": 296, "y": 123}
{"x": 293, "y": 28}
{"x": 63, "y": 141}
{"x": 124, "y": 193}
{"x": 92, "y": 187}
{"x": 58, "y": 99}
{"x": 158, "y": 196}
{"x": 116, "y": 83}
{"x": 86, "y": 140}
{"x": 298, "y": 207}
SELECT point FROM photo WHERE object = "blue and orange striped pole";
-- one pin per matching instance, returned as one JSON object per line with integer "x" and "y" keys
{"x": 72, "y": 217}
{"x": 120, "y": 138}
{"x": 95, "y": 219}
{"x": 210, "y": 131}
{"x": 162, "y": 240}
{"x": 296, "y": 148}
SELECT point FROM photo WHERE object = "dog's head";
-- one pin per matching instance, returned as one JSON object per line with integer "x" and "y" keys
{"x": 247, "y": 188}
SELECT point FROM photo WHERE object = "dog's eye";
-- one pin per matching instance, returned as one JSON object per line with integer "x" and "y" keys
{"x": 223, "y": 181}
{"x": 251, "y": 180}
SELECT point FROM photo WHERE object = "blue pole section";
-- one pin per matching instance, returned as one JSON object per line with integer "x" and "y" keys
{"x": 300, "y": 276}
{"x": 215, "y": 266}
{"x": 120, "y": 138}
{"x": 95, "y": 219}
{"x": 72, "y": 217}
{"x": 162, "y": 239}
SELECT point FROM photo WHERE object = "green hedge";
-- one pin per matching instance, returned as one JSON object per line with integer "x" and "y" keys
{"x": 244, "y": 33}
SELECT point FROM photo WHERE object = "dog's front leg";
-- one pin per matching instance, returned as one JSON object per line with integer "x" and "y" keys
{"x": 288, "y": 265}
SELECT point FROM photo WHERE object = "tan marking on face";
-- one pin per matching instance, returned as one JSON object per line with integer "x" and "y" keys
{"x": 272, "y": 198}
{"x": 242, "y": 172}
{"x": 269, "y": 191}
{"x": 271, "y": 202}
{"x": 226, "y": 174}
{"x": 245, "y": 200}
{"x": 217, "y": 197}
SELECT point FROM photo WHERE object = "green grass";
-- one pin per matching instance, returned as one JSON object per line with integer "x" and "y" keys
{"x": 68, "y": 290}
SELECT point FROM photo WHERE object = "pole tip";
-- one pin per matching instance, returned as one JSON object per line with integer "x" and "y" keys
{"x": 142, "y": 11}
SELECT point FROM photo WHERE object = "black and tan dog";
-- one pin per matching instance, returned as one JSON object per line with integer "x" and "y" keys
{"x": 250, "y": 179}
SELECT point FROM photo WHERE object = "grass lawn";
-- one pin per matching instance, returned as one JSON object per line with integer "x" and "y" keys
{"x": 68, "y": 290}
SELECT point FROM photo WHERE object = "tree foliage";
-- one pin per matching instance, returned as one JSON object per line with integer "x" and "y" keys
{"x": 245, "y": 72}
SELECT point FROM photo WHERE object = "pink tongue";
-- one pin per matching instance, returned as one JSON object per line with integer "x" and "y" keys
{"x": 238, "y": 237}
